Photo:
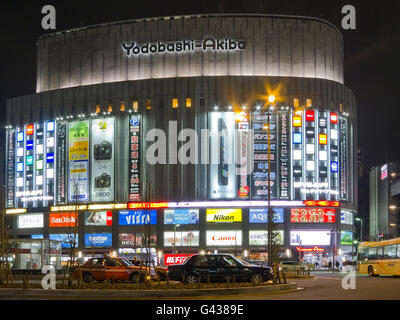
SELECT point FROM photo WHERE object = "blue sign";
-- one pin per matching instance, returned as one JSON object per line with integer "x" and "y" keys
{"x": 261, "y": 215}
{"x": 297, "y": 139}
{"x": 50, "y": 126}
{"x": 137, "y": 217}
{"x": 98, "y": 240}
{"x": 36, "y": 236}
{"x": 50, "y": 157}
{"x": 181, "y": 216}
{"x": 20, "y": 167}
{"x": 334, "y": 166}
{"x": 29, "y": 145}
{"x": 20, "y": 136}
{"x": 66, "y": 239}
{"x": 134, "y": 121}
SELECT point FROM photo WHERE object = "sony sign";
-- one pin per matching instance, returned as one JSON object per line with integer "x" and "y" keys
{"x": 223, "y": 45}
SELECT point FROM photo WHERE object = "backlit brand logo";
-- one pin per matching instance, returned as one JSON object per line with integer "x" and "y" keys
{"x": 223, "y": 238}
{"x": 206, "y": 44}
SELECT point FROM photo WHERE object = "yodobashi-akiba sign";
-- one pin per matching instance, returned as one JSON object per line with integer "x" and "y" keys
{"x": 185, "y": 46}
{"x": 10, "y": 168}
{"x": 98, "y": 240}
{"x": 179, "y": 258}
{"x": 137, "y": 217}
{"x": 312, "y": 215}
{"x": 260, "y": 215}
{"x": 224, "y": 215}
{"x": 224, "y": 238}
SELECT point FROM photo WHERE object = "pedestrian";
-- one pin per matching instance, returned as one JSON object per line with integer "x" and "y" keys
{"x": 337, "y": 265}
{"x": 330, "y": 264}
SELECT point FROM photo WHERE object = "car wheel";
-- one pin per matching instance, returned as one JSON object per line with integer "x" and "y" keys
{"x": 191, "y": 279}
{"x": 371, "y": 272}
{"x": 135, "y": 277}
{"x": 256, "y": 279}
{"x": 87, "y": 278}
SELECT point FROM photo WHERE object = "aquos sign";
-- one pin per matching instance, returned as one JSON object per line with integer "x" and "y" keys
{"x": 185, "y": 46}
{"x": 260, "y": 215}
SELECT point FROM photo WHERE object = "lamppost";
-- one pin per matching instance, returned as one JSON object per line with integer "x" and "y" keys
{"x": 361, "y": 227}
{"x": 271, "y": 100}
{"x": 175, "y": 225}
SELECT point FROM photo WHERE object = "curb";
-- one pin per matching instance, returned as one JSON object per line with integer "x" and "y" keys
{"x": 300, "y": 277}
{"x": 90, "y": 294}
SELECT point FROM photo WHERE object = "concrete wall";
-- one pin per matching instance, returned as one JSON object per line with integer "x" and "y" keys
{"x": 276, "y": 46}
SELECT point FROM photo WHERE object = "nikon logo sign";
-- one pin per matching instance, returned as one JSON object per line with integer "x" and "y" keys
{"x": 224, "y": 215}
{"x": 207, "y": 44}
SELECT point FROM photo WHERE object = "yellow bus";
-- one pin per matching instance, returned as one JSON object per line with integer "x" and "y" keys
{"x": 379, "y": 257}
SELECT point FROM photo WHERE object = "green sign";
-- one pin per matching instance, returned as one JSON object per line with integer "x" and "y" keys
{"x": 346, "y": 238}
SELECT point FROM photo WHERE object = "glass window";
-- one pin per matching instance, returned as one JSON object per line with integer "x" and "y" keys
{"x": 228, "y": 261}
{"x": 398, "y": 251}
{"x": 201, "y": 261}
{"x": 390, "y": 252}
{"x": 380, "y": 253}
{"x": 371, "y": 254}
{"x": 362, "y": 254}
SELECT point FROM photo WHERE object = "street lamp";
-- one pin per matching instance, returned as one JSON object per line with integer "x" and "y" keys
{"x": 175, "y": 225}
{"x": 361, "y": 227}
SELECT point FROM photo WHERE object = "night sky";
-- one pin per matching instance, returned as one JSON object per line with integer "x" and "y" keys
{"x": 371, "y": 51}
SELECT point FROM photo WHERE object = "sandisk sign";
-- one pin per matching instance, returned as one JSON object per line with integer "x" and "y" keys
{"x": 65, "y": 219}
{"x": 224, "y": 238}
{"x": 176, "y": 258}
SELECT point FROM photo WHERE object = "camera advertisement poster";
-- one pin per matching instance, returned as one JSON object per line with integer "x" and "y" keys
{"x": 102, "y": 166}
{"x": 78, "y": 155}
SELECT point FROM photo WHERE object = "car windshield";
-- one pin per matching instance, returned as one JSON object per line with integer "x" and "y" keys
{"x": 126, "y": 262}
{"x": 241, "y": 261}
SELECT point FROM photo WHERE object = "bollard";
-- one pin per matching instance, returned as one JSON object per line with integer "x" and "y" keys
{"x": 234, "y": 278}
{"x": 199, "y": 282}
{"x": 113, "y": 281}
{"x": 167, "y": 280}
{"x": 228, "y": 281}
{"x": 137, "y": 282}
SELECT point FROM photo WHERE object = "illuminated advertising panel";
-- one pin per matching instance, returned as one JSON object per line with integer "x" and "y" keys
{"x": 259, "y": 184}
{"x": 310, "y": 238}
{"x": 78, "y": 156}
{"x": 222, "y": 155}
{"x": 67, "y": 240}
{"x": 346, "y": 217}
{"x": 384, "y": 172}
{"x": 10, "y": 185}
{"x": 178, "y": 258}
{"x": 181, "y": 216}
{"x": 64, "y": 219}
{"x": 260, "y": 237}
{"x": 231, "y": 238}
{"x": 312, "y": 215}
{"x": 346, "y": 238}
{"x": 137, "y": 217}
{"x": 260, "y": 215}
{"x": 102, "y": 160}
{"x": 61, "y": 162}
{"x": 28, "y": 221}
{"x": 244, "y": 150}
{"x": 284, "y": 159}
{"x": 343, "y": 158}
{"x": 98, "y": 218}
{"x": 224, "y": 215}
{"x": 182, "y": 239}
{"x": 129, "y": 240}
{"x": 98, "y": 240}
{"x": 134, "y": 158}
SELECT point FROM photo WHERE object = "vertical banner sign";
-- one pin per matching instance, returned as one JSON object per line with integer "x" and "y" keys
{"x": 243, "y": 127}
{"x": 134, "y": 158}
{"x": 78, "y": 156}
{"x": 10, "y": 168}
{"x": 343, "y": 159}
{"x": 259, "y": 185}
{"x": 102, "y": 165}
{"x": 284, "y": 156}
{"x": 61, "y": 152}
{"x": 222, "y": 155}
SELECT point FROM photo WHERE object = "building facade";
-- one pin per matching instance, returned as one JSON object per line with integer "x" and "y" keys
{"x": 158, "y": 133}
{"x": 384, "y": 196}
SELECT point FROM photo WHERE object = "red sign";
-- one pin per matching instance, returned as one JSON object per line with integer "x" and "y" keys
{"x": 334, "y": 118}
{"x": 310, "y": 115}
{"x": 29, "y": 129}
{"x": 147, "y": 205}
{"x": 315, "y": 249}
{"x": 312, "y": 215}
{"x": 321, "y": 203}
{"x": 65, "y": 219}
{"x": 178, "y": 258}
